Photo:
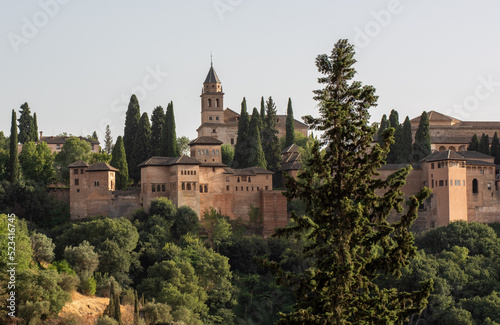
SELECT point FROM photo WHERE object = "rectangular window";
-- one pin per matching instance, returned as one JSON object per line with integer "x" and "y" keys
{"x": 227, "y": 178}
{"x": 227, "y": 188}
{"x": 216, "y": 118}
{"x": 92, "y": 147}
{"x": 77, "y": 190}
{"x": 489, "y": 186}
{"x": 445, "y": 182}
{"x": 457, "y": 182}
{"x": 163, "y": 187}
{"x": 267, "y": 188}
{"x": 77, "y": 181}
{"x": 247, "y": 188}
{"x": 441, "y": 183}
{"x": 232, "y": 140}
{"x": 432, "y": 165}
{"x": 58, "y": 146}
{"x": 252, "y": 188}
{"x": 183, "y": 186}
{"x": 481, "y": 171}
{"x": 432, "y": 183}
{"x": 75, "y": 171}
{"x": 153, "y": 188}
{"x": 242, "y": 188}
{"x": 463, "y": 182}
{"x": 451, "y": 182}
{"x": 205, "y": 188}
{"x": 81, "y": 171}
{"x": 258, "y": 188}
{"x": 209, "y": 118}
{"x": 236, "y": 188}
{"x": 96, "y": 183}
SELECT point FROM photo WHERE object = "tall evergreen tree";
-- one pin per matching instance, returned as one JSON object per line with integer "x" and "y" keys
{"x": 290, "y": 125}
{"x": 157, "y": 121}
{"x": 132, "y": 118}
{"x": 136, "y": 308}
{"x": 393, "y": 154}
{"x": 405, "y": 144}
{"x": 271, "y": 143}
{"x": 495, "y": 149}
{"x": 26, "y": 126}
{"x": 108, "y": 140}
{"x": 474, "y": 144}
{"x": 13, "y": 157}
{"x": 394, "y": 119}
{"x": 256, "y": 154}
{"x": 484, "y": 144}
{"x": 34, "y": 136}
{"x": 169, "y": 138}
{"x": 384, "y": 124}
{"x": 119, "y": 161}
{"x": 350, "y": 243}
{"x": 422, "y": 144}
{"x": 94, "y": 136}
{"x": 142, "y": 142}
{"x": 262, "y": 109}
{"x": 240, "y": 159}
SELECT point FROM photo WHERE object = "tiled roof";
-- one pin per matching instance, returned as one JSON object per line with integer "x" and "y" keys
{"x": 399, "y": 166}
{"x": 436, "y": 116}
{"x": 100, "y": 166}
{"x": 78, "y": 163}
{"x": 250, "y": 171}
{"x": 62, "y": 140}
{"x": 291, "y": 162}
{"x": 169, "y": 161}
{"x": 213, "y": 164}
{"x": 474, "y": 154}
{"x": 212, "y": 76}
{"x": 450, "y": 140}
{"x": 473, "y": 162}
{"x": 443, "y": 155}
{"x": 205, "y": 140}
{"x": 291, "y": 148}
{"x": 281, "y": 122}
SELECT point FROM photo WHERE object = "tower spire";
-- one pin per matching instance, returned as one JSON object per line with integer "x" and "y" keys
{"x": 211, "y": 62}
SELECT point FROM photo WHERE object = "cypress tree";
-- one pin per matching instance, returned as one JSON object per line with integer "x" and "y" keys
{"x": 157, "y": 121}
{"x": 26, "y": 126}
{"x": 350, "y": 243}
{"x": 94, "y": 136}
{"x": 262, "y": 109}
{"x": 111, "y": 309}
{"x": 118, "y": 313}
{"x": 256, "y": 155}
{"x": 404, "y": 146}
{"x": 136, "y": 308}
{"x": 34, "y": 136}
{"x": 290, "y": 125}
{"x": 142, "y": 149}
{"x": 384, "y": 124}
{"x": 240, "y": 159}
{"x": 169, "y": 138}
{"x": 394, "y": 153}
{"x": 422, "y": 144}
{"x": 132, "y": 118}
{"x": 119, "y": 161}
{"x": 495, "y": 149}
{"x": 484, "y": 144}
{"x": 13, "y": 157}
{"x": 394, "y": 119}
{"x": 474, "y": 144}
{"x": 271, "y": 143}
{"x": 108, "y": 140}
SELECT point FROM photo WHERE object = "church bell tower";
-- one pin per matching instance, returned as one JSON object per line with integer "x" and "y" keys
{"x": 212, "y": 99}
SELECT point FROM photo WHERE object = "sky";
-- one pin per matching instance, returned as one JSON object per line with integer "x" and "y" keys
{"x": 77, "y": 63}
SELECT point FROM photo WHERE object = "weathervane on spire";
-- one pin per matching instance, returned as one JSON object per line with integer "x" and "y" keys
{"x": 211, "y": 62}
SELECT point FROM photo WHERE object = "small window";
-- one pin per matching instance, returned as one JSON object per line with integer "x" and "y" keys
{"x": 457, "y": 182}
{"x": 199, "y": 152}
{"x": 227, "y": 188}
{"x": 81, "y": 171}
{"x": 227, "y": 178}
{"x": 441, "y": 183}
{"x": 213, "y": 152}
{"x": 249, "y": 179}
{"x": 209, "y": 102}
{"x": 238, "y": 180}
{"x": 475, "y": 186}
{"x": 58, "y": 146}
{"x": 489, "y": 186}
{"x": 182, "y": 172}
{"x": 214, "y": 131}
{"x": 189, "y": 186}
{"x": 432, "y": 165}
{"x": 252, "y": 188}
{"x": 267, "y": 188}
{"x": 242, "y": 188}
{"x": 217, "y": 102}
{"x": 183, "y": 186}
{"x": 236, "y": 188}
{"x": 451, "y": 182}
{"x": 77, "y": 181}
{"x": 232, "y": 140}
{"x": 158, "y": 188}
{"x": 258, "y": 188}
{"x": 163, "y": 187}
{"x": 209, "y": 118}
{"x": 217, "y": 152}
{"x": 481, "y": 171}
{"x": 92, "y": 147}
{"x": 432, "y": 184}
{"x": 463, "y": 182}
{"x": 75, "y": 171}
{"x": 445, "y": 182}
{"x": 201, "y": 188}
{"x": 247, "y": 188}
{"x": 96, "y": 183}
{"x": 194, "y": 172}
{"x": 77, "y": 190}
{"x": 206, "y": 188}
{"x": 153, "y": 188}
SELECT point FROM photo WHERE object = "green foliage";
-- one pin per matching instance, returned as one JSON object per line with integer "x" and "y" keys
{"x": 23, "y": 252}
{"x": 183, "y": 146}
{"x": 217, "y": 226}
{"x": 108, "y": 141}
{"x": 350, "y": 241}
{"x": 37, "y": 161}
{"x": 88, "y": 286}
{"x": 34, "y": 130}
{"x": 227, "y": 153}
{"x": 474, "y": 144}
{"x": 4, "y": 164}
{"x": 14, "y": 167}
{"x": 422, "y": 144}
{"x": 404, "y": 146}
{"x": 42, "y": 247}
{"x": 119, "y": 161}
{"x": 270, "y": 141}
{"x": 63, "y": 266}
{"x": 157, "y": 313}
{"x": 290, "y": 125}
{"x": 99, "y": 157}
{"x": 142, "y": 145}
{"x": 262, "y": 109}
{"x": 484, "y": 144}
{"x": 255, "y": 153}
{"x": 241, "y": 147}
{"x": 106, "y": 320}
{"x": 113, "y": 308}
{"x": 169, "y": 138}
{"x": 392, "y": 155}
{"x": 27, "y": 131}
{"x": 495, "y": 148}
{"x": 384, "y": 124}
{"x": 74, "y": 149}
{"x": 83, "y": 259}
{"x": 157, "y": 122}
{"x": 132, "y": 118}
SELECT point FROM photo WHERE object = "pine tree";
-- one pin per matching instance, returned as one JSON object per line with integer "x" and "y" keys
{"x": 34, "y": 136}
{"x": 474, "y": 144}
{"x": 350, "y": 243}
{"x": 94, "y": 136}
{"x": 256, "y": 155}
{"x": 240, "y": 159}
{"x": 495, "y": 149}
{"x": 405, "y": 145}
{"x": 13, "y": 157}
{"x": 142, "y": 149}
{"x": 132, "y": 118}
{"x": 384, "y": 124}
{"x": 26, "y": 126}
{"x": 271, "y": 143}
{"x": 393, "y": 154}
{"x": 422, "y": 144}
{"x": 169, "y": 138}
{"x": 108, "y": 140}
{"x": 157, "y": 121}
{"x": 119, "y": 161}
{"x": 136, "y": 308}
{"x": 484, "y": 144}
{"x": 290, "y": 125}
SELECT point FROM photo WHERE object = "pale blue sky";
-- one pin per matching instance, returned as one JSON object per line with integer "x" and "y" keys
{"x": 79, "y": 65}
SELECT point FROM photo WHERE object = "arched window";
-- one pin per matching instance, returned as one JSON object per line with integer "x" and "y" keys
{"x": 217, "y": 102}
{"x": 209, "y": 102}
{"x": 206, "y": 188}
{"x": 452, "y": 148}
{"x": 462, "y": 148}
{"x": 442, "y": 148}
{"x": 475, "y": 186}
